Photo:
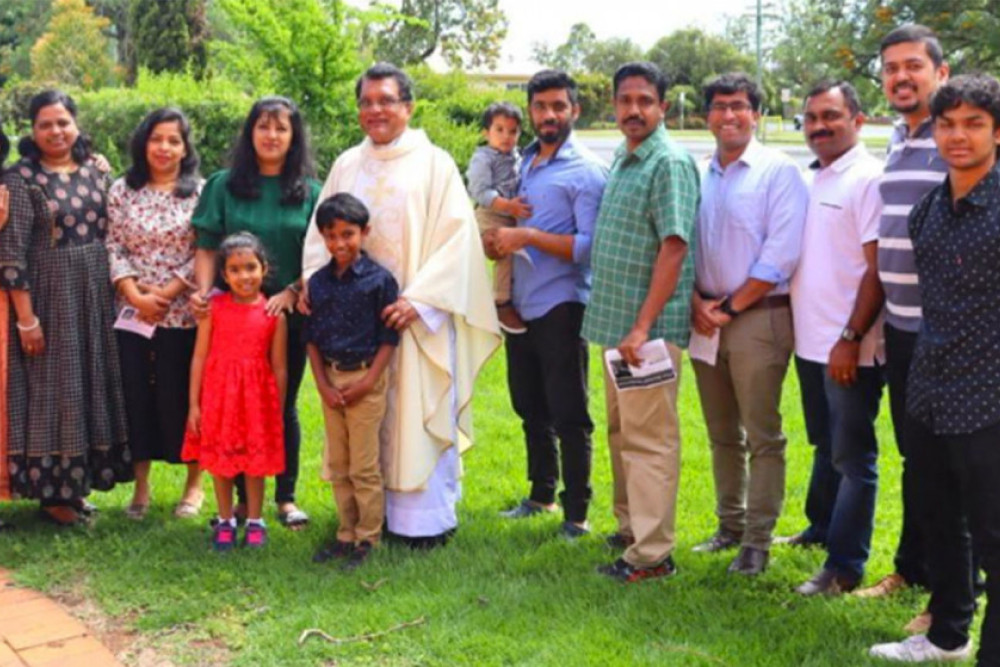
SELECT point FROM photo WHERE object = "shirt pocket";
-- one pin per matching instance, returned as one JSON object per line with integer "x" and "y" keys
{"x": 747, "y": 211}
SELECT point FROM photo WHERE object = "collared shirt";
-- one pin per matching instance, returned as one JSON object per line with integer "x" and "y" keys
{"x": 493, "y": 174}
{"x": 912, "y": 168}
{"x": 564, "y": 192}
{"x": 750, "y": 221}
{"x": 844, "y": 209}
{"x": 954, "y": 381}
{"x": 346, "y": 321}
{"x": 652, "y": 194}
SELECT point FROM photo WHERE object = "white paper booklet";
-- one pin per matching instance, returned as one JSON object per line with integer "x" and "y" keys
{"x": 128, "y": 320}
{"x": 655, "y": 368}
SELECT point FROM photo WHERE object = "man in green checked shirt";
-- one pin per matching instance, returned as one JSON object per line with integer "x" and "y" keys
{"x": 643, "y": 273}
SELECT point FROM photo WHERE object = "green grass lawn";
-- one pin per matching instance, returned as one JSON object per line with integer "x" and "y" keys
{"x": 501, "y": 593}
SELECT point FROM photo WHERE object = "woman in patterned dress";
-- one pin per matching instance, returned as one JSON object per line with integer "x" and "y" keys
{"x": 15, "y": 184}
{"x": 151, "y": 247}
{"x": 67, "y": 430}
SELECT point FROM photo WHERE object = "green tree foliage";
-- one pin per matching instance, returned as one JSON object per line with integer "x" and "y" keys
{"x": 595, "y": 98}
{"x": 22, "y": 22}
{"x": 74, "y": 50}
{"x": 303, "y": 49}
{"x": 823, "y": 38}
{"x": 691, "y": 57}
{"x": 569, "y": 55}
{"x": 608, "y": 55}
{"x": 168, "y": 35}
{"x": 467, "y": 33}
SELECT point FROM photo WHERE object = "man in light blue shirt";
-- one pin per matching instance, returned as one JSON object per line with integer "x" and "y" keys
{"x": 750, "y": 222}
{"x": 563, "y": 183}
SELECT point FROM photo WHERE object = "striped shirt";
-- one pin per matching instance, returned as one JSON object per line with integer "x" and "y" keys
{"x": 912, "y": 169}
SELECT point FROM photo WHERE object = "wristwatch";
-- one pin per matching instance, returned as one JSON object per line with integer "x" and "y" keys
{"x": 850, "y": 335}
{"x": 726, "y": 306}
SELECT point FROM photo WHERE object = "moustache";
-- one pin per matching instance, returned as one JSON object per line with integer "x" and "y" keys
{"x": 900, "y": 86}
{"x": 635, "y": 119}
{"x": 821, "y": 134}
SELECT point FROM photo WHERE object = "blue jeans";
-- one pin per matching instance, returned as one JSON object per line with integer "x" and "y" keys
{"x": 840, "y": 424}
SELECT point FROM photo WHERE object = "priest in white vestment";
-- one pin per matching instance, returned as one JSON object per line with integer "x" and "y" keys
{"x": 424, "y": 232}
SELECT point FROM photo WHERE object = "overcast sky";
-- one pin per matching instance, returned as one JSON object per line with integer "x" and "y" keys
{"x": 643, "y": 21}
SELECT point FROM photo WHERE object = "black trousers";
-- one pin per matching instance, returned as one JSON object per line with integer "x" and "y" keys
{"x": 956, "y": 479}
{"x": 547, "y": 377}
{"x": 911, "y": 557}
{"x": 284, "y": 484}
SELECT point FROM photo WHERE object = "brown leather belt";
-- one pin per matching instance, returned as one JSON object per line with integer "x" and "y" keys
{"x": 353, "y": 366}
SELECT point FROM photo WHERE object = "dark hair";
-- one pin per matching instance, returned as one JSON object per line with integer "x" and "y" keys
{"x": 647, "y": 71}
{"x": 977, "y": 90}
{"x": 845, "y": 88}
{"x": 503, "y": 109}
{"x": 341, "y": 206}
{"x": 548, "y": 79}
{"x": 27, "y": 147}
{"x": 232, "y": 244}
{"x": 4, "y": 147}
{"x": 914, "y": 32}
{"x": 244, "y": 173}
{"x": 732, "y": 83}
{"x": 385, "y": 71}
{"x": 137, "y": 175}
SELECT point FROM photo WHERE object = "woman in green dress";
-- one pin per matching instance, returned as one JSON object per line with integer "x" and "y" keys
{"x": 269, "y": 191}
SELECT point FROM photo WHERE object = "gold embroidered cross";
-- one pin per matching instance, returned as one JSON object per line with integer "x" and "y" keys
{"x": 380, "y": 192}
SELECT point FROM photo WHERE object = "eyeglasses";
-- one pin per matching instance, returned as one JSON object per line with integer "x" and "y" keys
{"x": 735, "y": 107}
{"x": 382, "y": 103}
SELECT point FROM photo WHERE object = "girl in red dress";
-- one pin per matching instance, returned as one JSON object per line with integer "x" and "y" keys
{"x": 238, "y": 378}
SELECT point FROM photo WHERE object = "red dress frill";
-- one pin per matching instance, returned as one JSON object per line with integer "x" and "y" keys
{"x": 241, "y": 421}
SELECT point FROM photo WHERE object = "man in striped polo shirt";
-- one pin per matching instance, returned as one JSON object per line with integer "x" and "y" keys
{"x": 913, "y": 68}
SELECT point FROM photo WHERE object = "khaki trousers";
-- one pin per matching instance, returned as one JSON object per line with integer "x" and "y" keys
{"x": 741, "y": 400}
{"x": 503, "y": 272}
{"x": 351, "y": 459}
{"x": 644, "y": 439}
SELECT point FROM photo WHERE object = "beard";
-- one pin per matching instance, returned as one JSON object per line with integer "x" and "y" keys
{"x": 905, "y": 108}
{"x": 559, "y": 136}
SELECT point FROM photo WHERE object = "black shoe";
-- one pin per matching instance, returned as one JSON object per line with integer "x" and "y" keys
{"x": 335, "y": 549}
{"x": 718, "y": 542}
{"x": 623, "y": 571}
{"x": 572, "y": 531}
{"x": 619, "y": 541}
{"x": 800, "y": 541}
{"x": 749, "y": 561}
{"x": 527, "y": 508}
{"x": 359, "y": 555}
{"x": 827, "y": 582}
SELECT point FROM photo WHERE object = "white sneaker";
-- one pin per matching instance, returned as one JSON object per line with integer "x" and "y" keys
{"x": 918, "y": 649}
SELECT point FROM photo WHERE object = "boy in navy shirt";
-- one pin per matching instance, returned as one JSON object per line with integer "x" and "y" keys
{"x": 349, "y": 347}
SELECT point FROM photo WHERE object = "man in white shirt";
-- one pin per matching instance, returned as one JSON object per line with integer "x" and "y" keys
{"x": 836, "y": 301}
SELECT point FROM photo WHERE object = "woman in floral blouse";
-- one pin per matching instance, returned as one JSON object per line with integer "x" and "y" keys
{"x": 67, "y": 428}
{"x": 151, "y": 247}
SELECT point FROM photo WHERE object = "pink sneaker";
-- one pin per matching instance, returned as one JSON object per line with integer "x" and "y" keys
{"x": 223, "y": 536}
{"x": 255, "y": 536}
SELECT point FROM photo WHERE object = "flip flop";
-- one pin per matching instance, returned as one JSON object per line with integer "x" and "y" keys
{"x": 137, "y": 511}
{"x": 188, "y": 510}
{"x": 294, "y": 519}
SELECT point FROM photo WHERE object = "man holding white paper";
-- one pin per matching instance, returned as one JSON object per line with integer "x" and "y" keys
{"x": 753, "y": 206}
{"x": 642, "y": 280}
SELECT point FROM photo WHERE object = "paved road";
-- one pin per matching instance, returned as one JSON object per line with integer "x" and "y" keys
{"x": 702, "y": 149}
